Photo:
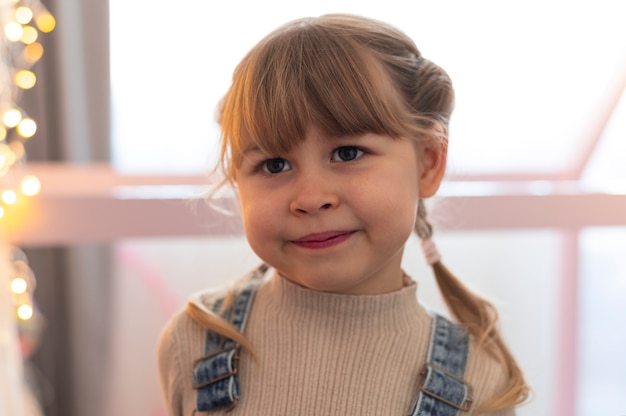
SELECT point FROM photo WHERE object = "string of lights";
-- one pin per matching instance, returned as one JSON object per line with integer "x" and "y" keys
{"x": 21, "y": 22}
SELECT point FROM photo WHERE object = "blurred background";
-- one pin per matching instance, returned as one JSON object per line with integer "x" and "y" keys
{"x": 533, "y": 212}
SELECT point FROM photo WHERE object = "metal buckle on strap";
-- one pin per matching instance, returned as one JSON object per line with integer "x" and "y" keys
{"x": 228, "y": 409}
{"x": 467, "y": 403}
{"x": 224, "y": 376}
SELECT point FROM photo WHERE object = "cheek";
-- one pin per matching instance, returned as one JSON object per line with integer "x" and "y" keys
{"x": 402, "y": 221}
{"x": 397, "y": 202}
{"x": 258, "y": 215}
{"x": 401, "y": 215}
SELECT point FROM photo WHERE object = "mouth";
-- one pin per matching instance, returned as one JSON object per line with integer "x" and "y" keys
{"x": 323, "y": 240}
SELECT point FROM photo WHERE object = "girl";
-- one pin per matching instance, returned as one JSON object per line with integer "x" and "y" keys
{"x": 334, "y": 131}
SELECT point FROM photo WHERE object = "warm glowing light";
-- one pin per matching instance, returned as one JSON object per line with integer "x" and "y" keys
{"x": 25, "y": 79}
{"x": 13, "y": 31}
{"x": 25, "y": 312}
{"x": 18, "y": 149}
{"x": 7, "y": 154}
{"x": 30, "y": 185}
{"x": 9, "y": 157}
{"x": 12, "y": 117}
{"x": 33, "y": 52}
{"x": 19, "y": 285}
{"x": 9, "y": 197}
{"x": 21, "y": 22}
{"x": 27, "y": 128}
{"x": 29, "y": 35}
{"x": 46, "y": 22}
{"x": 23, "y": 15}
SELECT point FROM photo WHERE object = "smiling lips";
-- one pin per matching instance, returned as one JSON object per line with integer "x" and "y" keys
{"x": 323, "y": 240}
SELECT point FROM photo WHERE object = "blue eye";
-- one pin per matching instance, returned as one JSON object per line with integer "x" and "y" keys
{"x": 347, "y": 153}
{"x": 275, "y": 165}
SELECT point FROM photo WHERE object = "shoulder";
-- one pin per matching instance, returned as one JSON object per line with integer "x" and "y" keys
{"x": 182, "y": 335}
{"x": 487, "y": 375}
{"x": 180, "y": 344}
{"x": 181, "y": 338}
{"x": 173, "y": 359}
{"x": 181, "y": 325}
{"x": 207, "y": 299}
{"x": 181, "y": 328}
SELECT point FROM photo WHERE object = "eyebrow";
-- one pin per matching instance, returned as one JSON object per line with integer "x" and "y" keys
{"x": 252, "y": 149}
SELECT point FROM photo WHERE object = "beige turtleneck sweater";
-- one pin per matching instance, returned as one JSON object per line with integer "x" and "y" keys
{"x": 321, "y": 354}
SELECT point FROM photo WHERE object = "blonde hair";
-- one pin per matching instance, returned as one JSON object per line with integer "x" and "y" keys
{"x": 348, "y": 75}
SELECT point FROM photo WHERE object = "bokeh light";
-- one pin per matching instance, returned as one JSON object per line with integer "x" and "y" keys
{"x": 9, "y": 196}
{"x": 7, "y": 154}
{"x": 30, "y": 185}
{"x": 21, "y": 22}
{"x": 33, "y": 52}
{"x": 46, "y": 22}
{"x": 25, "y": 79}
{"x": 12, "y": 117}
{"x": 27, "y": 128}
{"x": 18, "y": 149}
{"x": 23, "y": 15}
{"x": 29, "y": 35}
{"x": 19, "y": 285}
{"x": 25, "y": 312}
{"x": 13, "y": 31}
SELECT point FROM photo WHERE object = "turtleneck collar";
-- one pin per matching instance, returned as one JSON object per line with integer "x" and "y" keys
{"x": 396, "y": 308}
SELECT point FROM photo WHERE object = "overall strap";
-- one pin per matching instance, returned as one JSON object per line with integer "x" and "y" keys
{"x": 442, "y": 390}
{"x": 215, "y": 375}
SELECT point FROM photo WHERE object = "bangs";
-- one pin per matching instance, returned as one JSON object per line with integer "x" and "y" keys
{"x": 304, "y": 75}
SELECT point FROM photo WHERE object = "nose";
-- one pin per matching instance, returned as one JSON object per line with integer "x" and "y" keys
{"x": 313, "y": 194}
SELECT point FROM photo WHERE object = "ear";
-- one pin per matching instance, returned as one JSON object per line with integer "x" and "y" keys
{"x": 433, "y": 166}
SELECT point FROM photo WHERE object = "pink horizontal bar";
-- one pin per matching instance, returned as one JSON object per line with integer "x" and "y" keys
{"x": 80, "y": 204}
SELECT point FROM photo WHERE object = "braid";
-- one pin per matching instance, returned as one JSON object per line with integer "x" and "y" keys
{"x": 476, "y": 314}
{"x": 423, "y": 229}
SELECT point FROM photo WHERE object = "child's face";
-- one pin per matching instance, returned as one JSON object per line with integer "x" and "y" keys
{"x": 333, "y": 214}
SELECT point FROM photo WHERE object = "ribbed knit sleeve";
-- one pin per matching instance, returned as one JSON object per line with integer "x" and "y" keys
{"x": 180, "y": 343}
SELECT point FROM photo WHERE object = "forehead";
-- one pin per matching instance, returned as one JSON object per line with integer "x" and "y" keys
{"x": 289, "y": 83}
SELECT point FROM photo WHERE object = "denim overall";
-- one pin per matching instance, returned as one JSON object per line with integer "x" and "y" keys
{"x": 441, "y": 391}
